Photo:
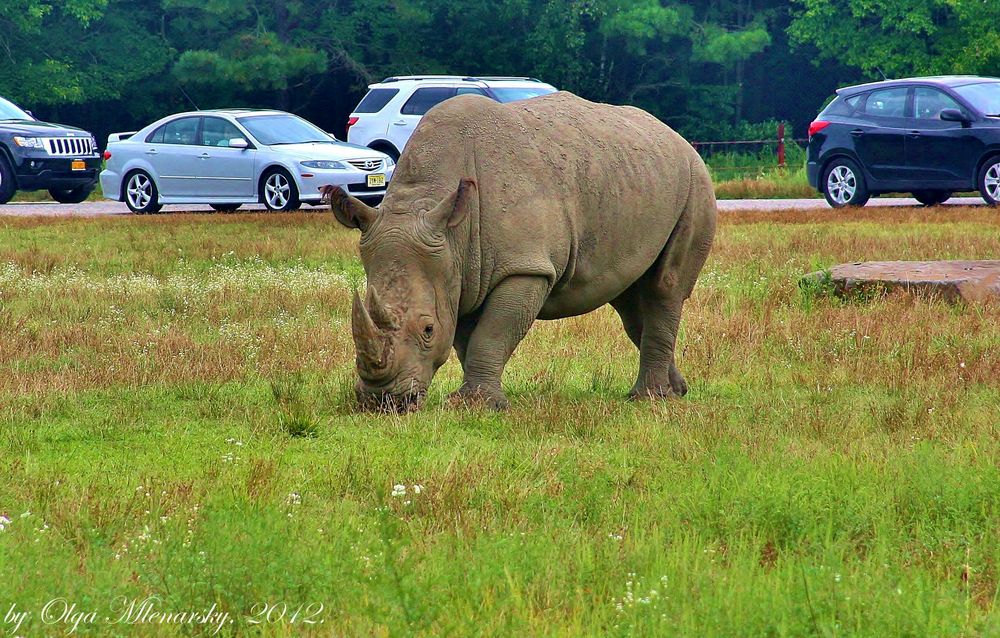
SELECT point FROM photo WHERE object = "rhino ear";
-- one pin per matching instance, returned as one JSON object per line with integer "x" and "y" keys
{"x": 349, "y": 211}
{"x": 453, "y": 208}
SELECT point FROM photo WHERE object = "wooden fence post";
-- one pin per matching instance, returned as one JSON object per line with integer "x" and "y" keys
{"x": 781, "y": 145}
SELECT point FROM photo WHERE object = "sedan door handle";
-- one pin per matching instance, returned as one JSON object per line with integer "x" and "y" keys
{"x": 399, "y": 123}
{"x": 204, "y": 156}
{"x": 151, "y": 151}
{"x": 913, "y": 134}
{"x": 857, "y": 132}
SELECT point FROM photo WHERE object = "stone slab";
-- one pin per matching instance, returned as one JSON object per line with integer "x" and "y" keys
{"x": 956, "y": 281}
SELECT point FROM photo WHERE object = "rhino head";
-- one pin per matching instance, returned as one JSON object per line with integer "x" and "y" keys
{"x": 404, "y": 327}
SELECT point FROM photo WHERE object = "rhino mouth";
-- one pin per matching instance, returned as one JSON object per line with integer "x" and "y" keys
{"x": 390, "y": 402}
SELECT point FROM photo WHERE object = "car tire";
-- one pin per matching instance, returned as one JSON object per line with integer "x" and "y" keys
{"x": 8, "y": 184}
{"x": 844, "y": 184}
{"x": 388, "y": 149}
{"x": 989, "y": 181}
{"x": 72, "y": 195}
{"x": 932, "y": 198}
{"x": 225, "y": 208}
{"x": 278, "y": 191}
{"x": 140, "y": 193}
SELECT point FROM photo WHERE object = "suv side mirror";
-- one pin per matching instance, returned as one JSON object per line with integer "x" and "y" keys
{"x": 238, "y": 142}
{"x": 30, "y": 114}
{"x": 954, "y": 115}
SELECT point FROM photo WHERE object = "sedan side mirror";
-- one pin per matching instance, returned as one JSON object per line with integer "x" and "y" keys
{"x": 954, "y": 115}
{"x": 30, "y": 114}
{"x": 238, "y": 142}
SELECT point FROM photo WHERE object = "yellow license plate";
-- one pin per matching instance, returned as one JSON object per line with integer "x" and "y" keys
{"x": 376, "y": 180}
{"x": 79, "y": 165}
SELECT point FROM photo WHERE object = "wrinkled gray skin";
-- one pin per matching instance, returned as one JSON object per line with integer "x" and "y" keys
{"x": 500, "y": 214}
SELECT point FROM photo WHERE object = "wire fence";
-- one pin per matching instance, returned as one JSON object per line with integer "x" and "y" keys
{"x": 741, "y": 159}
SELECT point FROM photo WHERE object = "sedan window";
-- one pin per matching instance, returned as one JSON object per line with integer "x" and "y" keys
{"x": 928, "y": 103}
{"x": 216, "y": 131}
{"x": 887, "y": 102}
{"x": 283, "y": 129}
{"x": 182, "y": 131}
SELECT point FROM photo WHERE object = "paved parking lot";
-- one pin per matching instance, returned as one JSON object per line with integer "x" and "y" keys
{"x": 101, "y": 208}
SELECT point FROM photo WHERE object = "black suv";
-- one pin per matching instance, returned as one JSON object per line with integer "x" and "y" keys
{"x": 928, "y": 136}
{"x": 36, "y": 155}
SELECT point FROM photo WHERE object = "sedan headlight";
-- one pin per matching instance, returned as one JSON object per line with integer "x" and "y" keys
{"x": 389, "y": 162}
{"x": 326, "y": 164}
{"x": 29, "y": 142}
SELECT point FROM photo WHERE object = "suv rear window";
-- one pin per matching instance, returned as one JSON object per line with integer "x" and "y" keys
{"x": 842, "y": 106}
{"x": 423, "y": 100}
{"x": 376, "y": 100}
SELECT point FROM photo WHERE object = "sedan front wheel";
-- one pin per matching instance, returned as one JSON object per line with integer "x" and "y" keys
{"x": 278, "y": 191}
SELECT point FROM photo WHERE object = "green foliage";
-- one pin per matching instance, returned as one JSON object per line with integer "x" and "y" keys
{"x": 61, "y": 53}
{"x": 903, "y": 37}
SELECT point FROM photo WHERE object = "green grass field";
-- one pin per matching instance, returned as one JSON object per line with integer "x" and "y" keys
{"x": 176, "y": 420}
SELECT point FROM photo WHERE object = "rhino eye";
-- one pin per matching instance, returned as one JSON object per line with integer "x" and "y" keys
{"x": 429, "y": 331}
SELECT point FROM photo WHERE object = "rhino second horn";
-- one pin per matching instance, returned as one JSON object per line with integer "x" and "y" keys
{"x": 382, "y": 317}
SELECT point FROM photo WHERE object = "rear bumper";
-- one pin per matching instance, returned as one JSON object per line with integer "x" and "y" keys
{"x": 55, "y": 173}
{"x": 812, "y": 173}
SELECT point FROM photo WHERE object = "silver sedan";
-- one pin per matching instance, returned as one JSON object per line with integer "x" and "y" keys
{"x": 227, "y": 158}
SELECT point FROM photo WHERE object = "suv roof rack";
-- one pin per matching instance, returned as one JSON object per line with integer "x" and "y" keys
{"x": 462, "y": 78}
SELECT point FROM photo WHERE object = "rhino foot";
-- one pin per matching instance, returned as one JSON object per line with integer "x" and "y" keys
{"x": 655, "y": 387}
{"x": 477, "y": 396}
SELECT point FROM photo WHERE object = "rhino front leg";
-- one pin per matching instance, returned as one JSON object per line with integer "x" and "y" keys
{"x": 507, "y": 315}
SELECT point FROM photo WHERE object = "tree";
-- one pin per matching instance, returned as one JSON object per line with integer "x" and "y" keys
{"x": 265, "y": 45}
{"x": 76, "y": 51}
{"x": 902, "y": 37}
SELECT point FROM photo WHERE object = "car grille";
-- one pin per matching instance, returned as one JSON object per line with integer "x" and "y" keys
{"x": 66, "y": 146}
{"x": 364, "y": 188}
{"x": 366, "y": 164}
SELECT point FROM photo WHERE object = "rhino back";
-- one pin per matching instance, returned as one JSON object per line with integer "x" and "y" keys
{"x": 586, "y": 194}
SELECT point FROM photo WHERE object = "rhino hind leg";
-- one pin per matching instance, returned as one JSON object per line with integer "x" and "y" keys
{"x": 657, "y": 299}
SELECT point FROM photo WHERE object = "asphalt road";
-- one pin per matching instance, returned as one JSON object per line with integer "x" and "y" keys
{"x": 103, "y": 208}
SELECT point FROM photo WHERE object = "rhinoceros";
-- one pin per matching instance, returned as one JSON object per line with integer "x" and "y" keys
{"x": 501, "y": 214}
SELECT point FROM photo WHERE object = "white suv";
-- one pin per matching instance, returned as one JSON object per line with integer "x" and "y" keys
{"x": 386, "y": 117}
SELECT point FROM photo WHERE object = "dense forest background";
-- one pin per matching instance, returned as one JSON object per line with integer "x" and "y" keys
{"x": 713, "y": 69}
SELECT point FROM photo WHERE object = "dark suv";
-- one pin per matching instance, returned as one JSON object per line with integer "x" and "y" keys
{"x": 928, "y": 136}
{"x": 36, "y": 155}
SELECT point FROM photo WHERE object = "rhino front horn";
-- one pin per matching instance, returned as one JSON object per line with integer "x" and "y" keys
{"x": 372, "y": 346}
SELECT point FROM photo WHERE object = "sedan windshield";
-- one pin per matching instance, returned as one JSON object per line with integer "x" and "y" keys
{"x": 985, "y": 96}
{"x": 515, "y": 94}
{"x": 283, "y": 129}
{"x": 10, "y": 112}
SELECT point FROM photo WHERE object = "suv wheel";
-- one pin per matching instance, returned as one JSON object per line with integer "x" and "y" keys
{"x": 7, "y": 185}
{"x": 989, "y": 181}
{"x": 844, "y": 185}
{"x": 388, "y": 149}
{"x": 72, "y": 195}
{"x": 278, "y": 191}
{"x": 141, "y": 195}
{"x": 932, "y": 198}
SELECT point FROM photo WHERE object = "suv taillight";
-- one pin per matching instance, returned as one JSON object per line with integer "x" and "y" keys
{"x": 817, "y": 126}
{"x": 107, "y": 155}
{"x": 351, "y": 121}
